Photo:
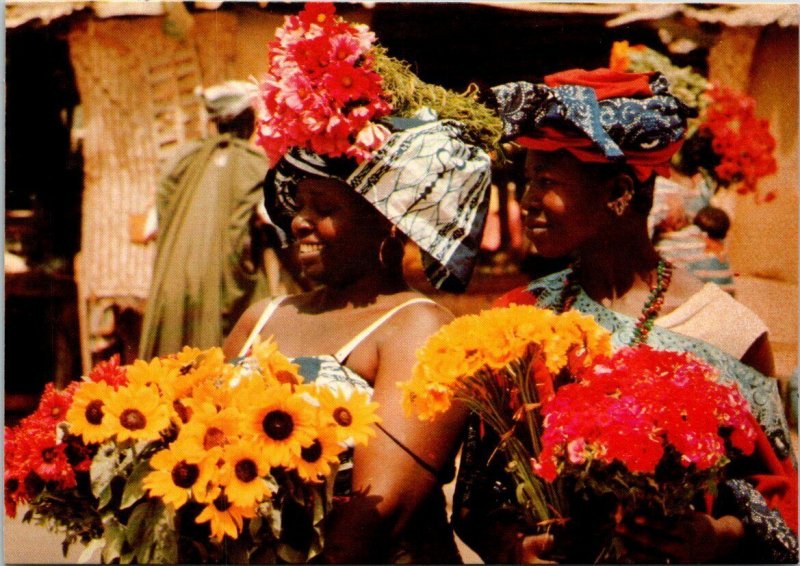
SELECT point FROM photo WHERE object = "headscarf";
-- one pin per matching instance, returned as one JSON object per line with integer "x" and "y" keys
{"x": 327, "y": 114}
{"x": 598, "y": 116}
{"x": 425, "y": 180}
{"x": 227, "y": 100}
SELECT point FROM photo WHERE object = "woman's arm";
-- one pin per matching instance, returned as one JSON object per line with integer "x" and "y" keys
{"x": 388, "y": 483}
{"x": 759, "y": 356}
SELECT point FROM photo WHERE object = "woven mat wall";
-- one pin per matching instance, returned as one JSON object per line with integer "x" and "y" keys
{"x": 137, "y": 92}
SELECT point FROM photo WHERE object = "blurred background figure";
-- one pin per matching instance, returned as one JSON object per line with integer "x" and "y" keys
{"x": 209, "y": 260}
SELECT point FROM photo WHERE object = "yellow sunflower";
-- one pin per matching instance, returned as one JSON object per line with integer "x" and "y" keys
{"x": 216, "y": 389}
{"x": 181, "y": 470}
{"x": 193, "y": 366}
{"x": 316, "y": 458}
{"x": 243, "y": 473}
{"x": 87, "y": 414}
{"x": 137, "y": 412}
{"x": 209, "y": 428}
{"x": 352, "y": 417}
{"x": 275, "y": 365}
{"x": 225, "y": 517}
{"x": 156, "y": 373}
{"x": 281, "y": 421}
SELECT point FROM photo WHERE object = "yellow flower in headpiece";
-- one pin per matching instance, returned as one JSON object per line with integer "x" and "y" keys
{"x": 87, "y": 416}
{"x": 619, "y": 56}
{"x": 350, "y": 416}
{"x": 137, "y": 412}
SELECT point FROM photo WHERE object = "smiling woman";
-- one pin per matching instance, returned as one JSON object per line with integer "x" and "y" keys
{"x": 384, "y": 170}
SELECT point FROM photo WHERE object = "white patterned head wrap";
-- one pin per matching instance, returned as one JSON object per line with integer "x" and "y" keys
{"x": 425, "y": 180}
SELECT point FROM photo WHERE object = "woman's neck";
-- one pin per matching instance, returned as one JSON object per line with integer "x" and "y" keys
{"x": 609, "y": 268}
{"x": 360, "y": 292}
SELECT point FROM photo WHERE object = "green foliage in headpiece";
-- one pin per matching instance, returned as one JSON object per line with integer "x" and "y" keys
{"x": 684, "y": 82}
{"x": 408, "y": 94}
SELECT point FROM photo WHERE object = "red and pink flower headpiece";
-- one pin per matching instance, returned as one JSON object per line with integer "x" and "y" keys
{"x": 321, "y": 92}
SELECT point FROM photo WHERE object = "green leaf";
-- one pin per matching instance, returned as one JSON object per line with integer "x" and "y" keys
{"x": 102, "y": 469}
{"x": 134, "y": 491}
{"x": 165, "y": 538}
{"x": 93, "y": 546}
{"x": 134, "y": 530}
{"x": 114, "y": 538}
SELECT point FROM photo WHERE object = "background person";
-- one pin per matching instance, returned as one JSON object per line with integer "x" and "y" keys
{"x": 207, "y": 269}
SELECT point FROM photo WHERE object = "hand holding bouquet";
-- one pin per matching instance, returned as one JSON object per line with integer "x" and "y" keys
{"x": 186, "y": 458}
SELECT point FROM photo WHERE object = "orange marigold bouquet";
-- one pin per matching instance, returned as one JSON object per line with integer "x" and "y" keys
{"x": 502, "y": 364}
{"x": 186, "y": 458}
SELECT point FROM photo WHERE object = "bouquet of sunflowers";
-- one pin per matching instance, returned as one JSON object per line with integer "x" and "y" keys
{"x": 186, "y": 458}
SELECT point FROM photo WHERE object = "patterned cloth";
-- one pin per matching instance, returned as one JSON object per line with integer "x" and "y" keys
{"x": 636, "y": 120}
{"x": 425, "y": 179}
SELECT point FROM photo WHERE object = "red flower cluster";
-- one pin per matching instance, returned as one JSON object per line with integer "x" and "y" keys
{"x": 632, "y": 408}
{"x": 321, "y": 91}
{"x": 741, "y": 140}
{"x": 37, "y": 455}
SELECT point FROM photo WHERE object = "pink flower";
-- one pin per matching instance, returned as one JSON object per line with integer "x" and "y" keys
{"x": 575, "y": 451}
{"x": 320, "y": 84}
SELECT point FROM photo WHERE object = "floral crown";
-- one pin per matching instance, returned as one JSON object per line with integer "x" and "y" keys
{"x": 321, "y": 92}
{"x": 329, "y": 85}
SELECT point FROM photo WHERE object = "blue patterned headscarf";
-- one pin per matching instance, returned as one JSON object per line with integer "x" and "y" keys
{"x": 425, "y": 180}
{"x": 628, "y": 117}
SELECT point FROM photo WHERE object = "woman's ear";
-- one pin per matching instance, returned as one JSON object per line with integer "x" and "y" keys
{"x": 620, "y": 193}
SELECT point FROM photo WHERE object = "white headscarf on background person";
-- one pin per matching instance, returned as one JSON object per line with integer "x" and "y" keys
{"x": 225, "y": 101}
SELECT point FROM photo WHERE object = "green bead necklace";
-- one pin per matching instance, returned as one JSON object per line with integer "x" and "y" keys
{"x": 652, "y": 306}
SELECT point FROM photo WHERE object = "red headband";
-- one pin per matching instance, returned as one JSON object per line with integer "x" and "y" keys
{"x": 643, "y": 163}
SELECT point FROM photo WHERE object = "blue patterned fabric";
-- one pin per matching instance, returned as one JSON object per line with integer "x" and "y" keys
{"x": 761, "y": 392}
{"x": 425, "y": 179}
{"x": 768, "y": 539}
{"x": 615, "y": 125}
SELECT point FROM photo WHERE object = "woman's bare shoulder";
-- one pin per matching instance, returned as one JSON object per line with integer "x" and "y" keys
{"x": 421, "y": 316}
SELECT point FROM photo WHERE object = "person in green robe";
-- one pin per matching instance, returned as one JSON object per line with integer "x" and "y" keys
{"x": 208, "y": 261}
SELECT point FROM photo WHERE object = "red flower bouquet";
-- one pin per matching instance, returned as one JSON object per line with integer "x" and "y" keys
{"x": 321, "y": 92}
{"x": 654, "y": 429}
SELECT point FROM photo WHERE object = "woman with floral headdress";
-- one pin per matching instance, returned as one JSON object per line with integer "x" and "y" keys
{"x": 361, "y": 164}
{"x": 595, "y": 141}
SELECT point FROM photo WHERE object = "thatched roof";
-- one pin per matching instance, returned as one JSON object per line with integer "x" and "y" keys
{"x": 787, "y": 14}
{"x": 731, "y": 15}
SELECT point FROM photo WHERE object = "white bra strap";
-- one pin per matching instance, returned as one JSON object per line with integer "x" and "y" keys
{"x": 345, "y": 351}
{"x": 262, "y": 320}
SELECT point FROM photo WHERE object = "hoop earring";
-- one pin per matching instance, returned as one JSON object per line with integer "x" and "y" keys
{"x": 620, "y": 205}
{"x": 390, "y": 254}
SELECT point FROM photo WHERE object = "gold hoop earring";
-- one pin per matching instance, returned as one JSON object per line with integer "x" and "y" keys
{"x": 620, "y": 205}
{"x": 390, "y": 254}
